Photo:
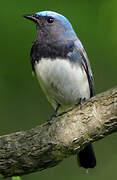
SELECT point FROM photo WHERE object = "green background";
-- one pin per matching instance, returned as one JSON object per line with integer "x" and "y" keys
{"x": 22, "y": 103}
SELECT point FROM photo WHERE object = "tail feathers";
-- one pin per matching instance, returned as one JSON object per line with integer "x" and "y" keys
{"x": 86, "y": 158}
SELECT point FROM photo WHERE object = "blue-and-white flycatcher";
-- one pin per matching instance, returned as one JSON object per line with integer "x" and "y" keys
{"x": 62, "y": 68}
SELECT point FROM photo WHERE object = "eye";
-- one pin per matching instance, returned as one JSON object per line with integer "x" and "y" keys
{"x": 50, "y": 20}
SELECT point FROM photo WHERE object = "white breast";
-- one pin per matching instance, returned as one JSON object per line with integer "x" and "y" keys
{"x": 62, "y": 82}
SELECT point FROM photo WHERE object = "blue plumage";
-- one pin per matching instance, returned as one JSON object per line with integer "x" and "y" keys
{"x": 57, "y": 16}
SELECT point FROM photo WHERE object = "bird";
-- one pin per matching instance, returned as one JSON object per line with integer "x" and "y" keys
{"x": 62, "y": 68}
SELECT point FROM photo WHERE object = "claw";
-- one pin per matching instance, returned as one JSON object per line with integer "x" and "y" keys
{"x": 51, "y": 118}
{"x": 81, "y": 101}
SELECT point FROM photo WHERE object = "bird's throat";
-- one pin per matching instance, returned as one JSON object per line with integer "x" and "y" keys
{"x": 50, "y": 50}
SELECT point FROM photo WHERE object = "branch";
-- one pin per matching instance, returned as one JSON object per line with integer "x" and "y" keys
{"x": 46, "y": 145}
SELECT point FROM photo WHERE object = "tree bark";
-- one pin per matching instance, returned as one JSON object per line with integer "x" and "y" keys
{"x": 46, "y": 145}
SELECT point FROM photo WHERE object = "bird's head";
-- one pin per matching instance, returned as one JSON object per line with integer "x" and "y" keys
{"x": 52, "y": 27}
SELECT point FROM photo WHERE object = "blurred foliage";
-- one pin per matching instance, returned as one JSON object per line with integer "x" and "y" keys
{"x": 22, "y": 103}
{"x": 16, "y": 178}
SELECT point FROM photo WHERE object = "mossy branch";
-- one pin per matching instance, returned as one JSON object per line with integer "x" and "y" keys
{"x": 46, "y": 145}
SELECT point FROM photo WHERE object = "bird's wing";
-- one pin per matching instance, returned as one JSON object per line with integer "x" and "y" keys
{"x": 34, "y": 55}
{"x": 79, "y": 56}
{"x": 87, "y": 67}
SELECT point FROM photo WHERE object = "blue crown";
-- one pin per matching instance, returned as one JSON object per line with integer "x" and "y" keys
{"x": 55, "y": 15}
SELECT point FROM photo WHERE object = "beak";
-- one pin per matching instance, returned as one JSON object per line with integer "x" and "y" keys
{"x": 31, "y": 17}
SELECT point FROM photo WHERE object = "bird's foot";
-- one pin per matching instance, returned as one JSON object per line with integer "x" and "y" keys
{"x": 51, "y": 118}
{"x": 55, "y": 115}
{"x": 80, "y": 102}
